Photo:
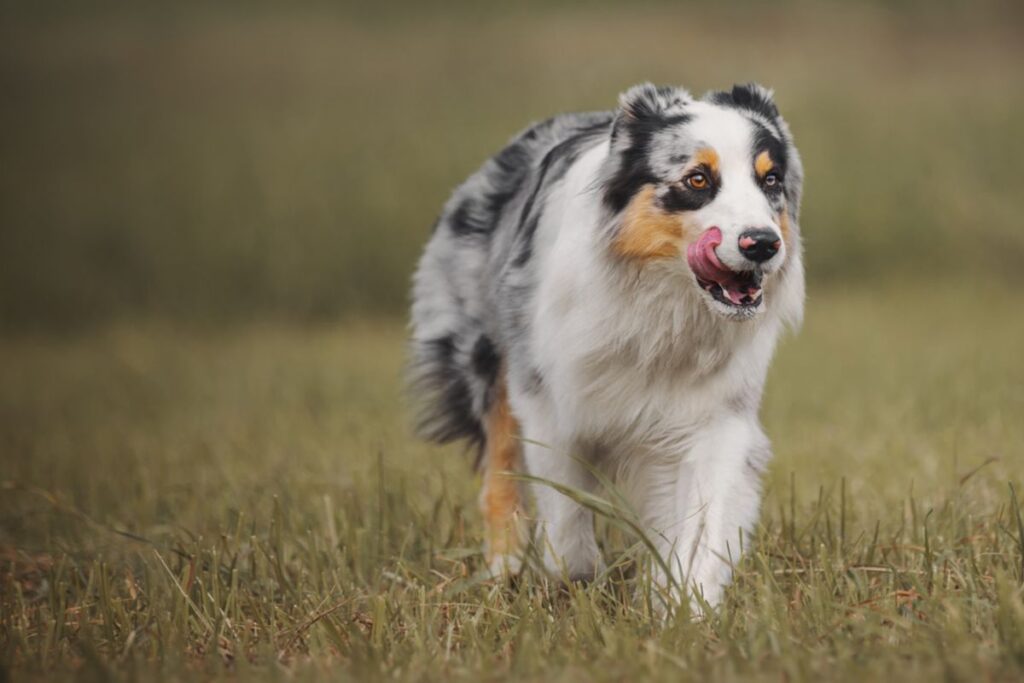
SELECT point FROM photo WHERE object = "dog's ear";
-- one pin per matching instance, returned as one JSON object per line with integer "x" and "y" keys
{"x": 647, "y": 101}
{"x": 750, "y": 96}
{"x": 645, "y": 104}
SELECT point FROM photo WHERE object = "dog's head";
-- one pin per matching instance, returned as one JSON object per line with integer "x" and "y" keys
{"x": 712, "y": 184}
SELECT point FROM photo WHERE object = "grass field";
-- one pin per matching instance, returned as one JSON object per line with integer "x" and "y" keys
{"x": 250, "y": 501}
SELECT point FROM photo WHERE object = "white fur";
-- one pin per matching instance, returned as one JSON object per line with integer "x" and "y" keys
{"x": 647, "y": 380}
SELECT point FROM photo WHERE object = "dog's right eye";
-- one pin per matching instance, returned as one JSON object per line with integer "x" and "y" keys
{"x": 696, "y": 181}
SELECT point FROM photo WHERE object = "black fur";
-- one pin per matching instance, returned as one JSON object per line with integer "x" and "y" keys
{"x": 633, "y": 171}
{"x": 450, "y": 415}
{"x": 681, "y": 198}
{"x": 485, "y": 359}
{"x": 766, "y": 140}
{"x": 749, "y": 97}
{"x": 467, "y": 219}
{"x": 479, "y": 215}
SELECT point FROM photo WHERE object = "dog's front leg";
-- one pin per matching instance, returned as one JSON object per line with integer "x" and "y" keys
{"x": 565, "y": 529}
{"x": 714, "y": 505}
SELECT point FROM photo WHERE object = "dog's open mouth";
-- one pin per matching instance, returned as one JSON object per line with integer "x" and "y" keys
{"x": 737, "y": 289}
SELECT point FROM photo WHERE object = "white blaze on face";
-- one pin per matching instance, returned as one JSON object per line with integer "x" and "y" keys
{"x": 739, "y": 204}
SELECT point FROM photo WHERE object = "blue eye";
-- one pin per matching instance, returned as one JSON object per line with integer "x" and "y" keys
{"x": 772, "y": 179}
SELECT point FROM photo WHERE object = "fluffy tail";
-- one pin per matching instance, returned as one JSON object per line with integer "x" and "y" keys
{"x": 453, "y": 379}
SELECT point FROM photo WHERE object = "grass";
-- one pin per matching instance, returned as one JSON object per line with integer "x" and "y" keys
{"x": 249, "y": 503}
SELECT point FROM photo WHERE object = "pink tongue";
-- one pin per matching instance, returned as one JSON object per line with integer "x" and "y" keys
{"x": 734, "y": 296}
{"x": 702, "y": 258}
{"x": 705, "y": 265}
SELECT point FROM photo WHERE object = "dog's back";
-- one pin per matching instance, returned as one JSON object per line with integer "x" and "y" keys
{"x": 482, "y": 237}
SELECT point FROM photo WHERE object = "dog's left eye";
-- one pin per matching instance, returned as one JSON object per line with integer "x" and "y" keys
{"x": 772, "y": 179}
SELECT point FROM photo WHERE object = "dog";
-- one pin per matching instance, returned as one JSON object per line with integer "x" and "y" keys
{"x": 604, "y": 296}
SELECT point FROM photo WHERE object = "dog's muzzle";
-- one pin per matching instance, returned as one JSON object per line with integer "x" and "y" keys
{"x": 739, "y": 289}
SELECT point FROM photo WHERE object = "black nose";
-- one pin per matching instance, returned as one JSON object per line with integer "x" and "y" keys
{"x": 759, "y": 245}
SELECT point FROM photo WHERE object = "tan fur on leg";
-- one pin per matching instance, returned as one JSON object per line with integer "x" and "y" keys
{"x": 500, "y": 497}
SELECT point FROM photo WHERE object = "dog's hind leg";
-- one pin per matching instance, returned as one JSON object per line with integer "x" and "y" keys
{"x": 504, "y": 527}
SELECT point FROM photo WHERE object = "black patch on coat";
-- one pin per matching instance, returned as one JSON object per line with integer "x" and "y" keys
{"x": 634, "y": 171}
{"x": 505, "y": 172}
{"x": 479, "y": 214}
{"x": 681, "y": 198}
{"x": 447, "y": 412}
{"x": 485, "y": 359}
{"x": 526, "y": 230}
{"x": 467, "y": 219}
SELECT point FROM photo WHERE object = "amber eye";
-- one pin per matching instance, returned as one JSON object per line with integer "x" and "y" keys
{"x": 697, "y": 181}
{"x": 771, "y": 179}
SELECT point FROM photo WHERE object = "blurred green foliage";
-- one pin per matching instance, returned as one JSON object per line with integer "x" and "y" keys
{"x": 270, "y": 161}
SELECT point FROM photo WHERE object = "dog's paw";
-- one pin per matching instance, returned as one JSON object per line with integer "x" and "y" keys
{"x": 579, "y": 568}
{"x": 504, "y": 566}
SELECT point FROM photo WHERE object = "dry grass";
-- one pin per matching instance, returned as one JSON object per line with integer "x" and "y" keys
{"x": 189, "y": 504}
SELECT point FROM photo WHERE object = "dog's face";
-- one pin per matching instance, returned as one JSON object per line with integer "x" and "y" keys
{"x": 711, "y": 185}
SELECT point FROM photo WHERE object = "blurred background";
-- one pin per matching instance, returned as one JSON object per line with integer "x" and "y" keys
{"x": 210, "y": 163}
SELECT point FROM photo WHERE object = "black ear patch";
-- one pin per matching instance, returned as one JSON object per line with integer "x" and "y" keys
{"x": 751, "y": 97}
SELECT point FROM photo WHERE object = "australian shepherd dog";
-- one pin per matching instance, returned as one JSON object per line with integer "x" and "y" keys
{"x": 604, "y": 296}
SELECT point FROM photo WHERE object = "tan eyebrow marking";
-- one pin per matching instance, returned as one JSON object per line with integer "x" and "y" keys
{"x": 763, "y": 164}
{"x": 706, "y": 157}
